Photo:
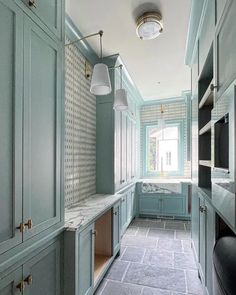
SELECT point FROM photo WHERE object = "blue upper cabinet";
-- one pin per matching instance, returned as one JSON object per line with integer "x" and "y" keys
{"x": 11, "y": 62}
{"x": 42, "y": 129}
{"x": 207, "y": 32}
{"x": 225, "y": 49}
{"x": 49, "y": 12}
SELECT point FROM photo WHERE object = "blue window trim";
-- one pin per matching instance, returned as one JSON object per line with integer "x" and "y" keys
{"x": 145, "y": 127}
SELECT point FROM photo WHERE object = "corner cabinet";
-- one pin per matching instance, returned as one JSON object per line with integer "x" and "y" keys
{"x": 31, "y": 118}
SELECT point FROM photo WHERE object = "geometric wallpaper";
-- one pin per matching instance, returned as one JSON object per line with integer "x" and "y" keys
{"x": 80, "y": 130}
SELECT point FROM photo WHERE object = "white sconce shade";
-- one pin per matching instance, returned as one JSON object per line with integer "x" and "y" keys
{"x": 120, "y": 102}
{"x": 100, "y": 83}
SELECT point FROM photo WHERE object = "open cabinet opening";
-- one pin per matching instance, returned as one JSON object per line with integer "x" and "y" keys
{"x": 103, "y": 243}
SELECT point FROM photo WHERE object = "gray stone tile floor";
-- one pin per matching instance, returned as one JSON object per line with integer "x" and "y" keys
{"x": 156, "y": 259}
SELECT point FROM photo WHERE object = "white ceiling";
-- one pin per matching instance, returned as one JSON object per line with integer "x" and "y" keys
{"x": 156, "y": 66}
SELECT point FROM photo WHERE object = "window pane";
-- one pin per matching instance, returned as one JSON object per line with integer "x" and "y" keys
{"x": 168, "y": 155}
{"x": 152, "y": 154}
{"x": 171, "y": 133}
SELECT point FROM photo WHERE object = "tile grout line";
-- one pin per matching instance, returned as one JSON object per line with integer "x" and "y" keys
{"x": 185, "y": 278}
{"x": 125, "y": 272}
{"x": 103, "y": 287}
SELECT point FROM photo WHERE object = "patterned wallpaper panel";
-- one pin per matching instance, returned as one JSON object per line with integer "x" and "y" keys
{"x": 80, "y": 130}
{"x": 172, "y": 111}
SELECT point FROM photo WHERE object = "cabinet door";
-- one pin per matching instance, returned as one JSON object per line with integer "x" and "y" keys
{"x": 195, "y": 220}
{"x": 133, "y": 152}
{"x": 48, "y": 11}
{"x": 116, "y": 228}
{"x": 129, "y": 151}
{"x": 173, "y": 205}
{"x": 220, "y": 5}
{"x": 42, "y": 274}
{"x": 149, "y": 205}
{"x": 202, "y": 238}
{"x": 42, "y": 129}
{"x": 85, "y": 261}
{"x": 210, "y": 242}
{"x": 123, "y": 214}
{"x": 129, "y": 206}
{"x": 225, "y": 50}
{"x": 11, "y": 65}
{"x": 10, "y": 285}
{"x": 117, "y": 150}
{"x": 124, "y": 149}
{"x": 133, "y": 203}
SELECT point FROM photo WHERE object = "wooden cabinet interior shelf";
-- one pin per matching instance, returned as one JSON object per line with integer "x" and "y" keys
{"x": 205, "y": 129}
{"x": 207, "y": 99}
{"x": 103, "y": 243}
{"x": 206, "y": 163}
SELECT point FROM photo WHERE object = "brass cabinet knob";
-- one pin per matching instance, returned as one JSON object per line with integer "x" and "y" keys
{"x": 212, "y": 87}
{"x": 21, "y": 227}
{"x": 29, "y": 280}
{"x": 202, "y": 209}
{"x": 21, "y": 286}
{"x": 29, "y": 223}
{"x": 32, "y": 3}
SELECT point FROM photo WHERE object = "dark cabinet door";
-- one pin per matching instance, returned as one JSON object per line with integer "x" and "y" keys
{"x": 11, "y": 65}
{"x": 42, "y": 274}
{"x": 42, "y": 129}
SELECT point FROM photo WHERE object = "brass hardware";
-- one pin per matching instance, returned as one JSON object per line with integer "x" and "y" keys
{"x": 87, "y": 70}
{"x": 212, "y": 87}
{"x": 115, "y": 213}
{"x": 202, "y": 209}
{"x": 94, "y": 233}
{"x": 21, "y": 227}
{"x": 29, "y": 280}
{"x": 32, "y": 3}
{"x": 21, "y": 286}
{"x": 29, "y": 223}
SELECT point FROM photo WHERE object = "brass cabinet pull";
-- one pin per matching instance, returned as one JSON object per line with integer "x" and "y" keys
{"x": 29, "y": 223}
{"x": 21, "y": 227}
{"x": 21, "y": 286}
{"x": 32, "y": 3}
{"x": 29, "y": 280}
{"x": 202, "y": 209}
{"x": 213, "y": 87}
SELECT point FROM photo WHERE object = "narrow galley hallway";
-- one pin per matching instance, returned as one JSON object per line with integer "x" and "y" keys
{"x": 156, "y": 259}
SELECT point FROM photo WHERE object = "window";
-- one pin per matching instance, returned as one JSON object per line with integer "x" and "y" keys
{"x": 163, "y": 149}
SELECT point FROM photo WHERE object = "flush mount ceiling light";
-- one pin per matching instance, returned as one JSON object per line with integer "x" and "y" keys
{"x": 149, "y": 25}
{"x": 100, "y": 82}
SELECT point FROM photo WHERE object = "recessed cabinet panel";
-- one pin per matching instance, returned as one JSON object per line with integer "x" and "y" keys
{"x": 195, "y": 219}
{"x": 226, "y": 53}
{"x": 117, "y": 150}
{"x": 207, "y": 33}
{"x": 49, "y": 11}
{"x": 42, "y": 273}
{"x": 9, "y": 285}
{"x": 85, "y": 261}
{"x": 42, "y": 109}
{"x": 220, "y": 5}
{"x": 149, "y": 205}
{"x": 11, "y": 57}
{"x": 129, "y": 149}
{"x": 116, "y": 228}
{"x": 124, "y": 149}
{"x": 173, "y": 205}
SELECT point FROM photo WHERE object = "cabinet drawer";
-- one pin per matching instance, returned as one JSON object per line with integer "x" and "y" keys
{"x": 48, "y": 11}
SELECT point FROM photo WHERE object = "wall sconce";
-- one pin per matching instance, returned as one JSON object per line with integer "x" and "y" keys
{"x": 120, "y": 101}
{"x": 100, "y": 82}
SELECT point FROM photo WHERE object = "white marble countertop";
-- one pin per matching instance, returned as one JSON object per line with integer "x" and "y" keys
{"x": 82, "y": 213}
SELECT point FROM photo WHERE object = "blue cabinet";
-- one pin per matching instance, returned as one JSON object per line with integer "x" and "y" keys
{"x": 124, "y": 214}
{"x": 38, "y": 274}
{"x": 149, "y": 205}
{"x": 173, "y": 205}
{"x": 11, "y": 84}
{"x": 42, "y": 129}
{"x": 195, "y": 220}
{"x": 116, "y": 228}
{"x": 85, "y": 261}
{"x": 49, "y": 12}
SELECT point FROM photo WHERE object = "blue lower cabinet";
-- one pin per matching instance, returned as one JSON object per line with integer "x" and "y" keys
{"x": 195, "y": 219}
{"x": 123, "y": 214}
{"x": 116, "y": 228}
{"x": 173, "y": 205}
{"x": 11, "y": 284}
{"x": 41, "y": 274}
{"x": 149, "y": 205}
{"x": 129, "y": 207}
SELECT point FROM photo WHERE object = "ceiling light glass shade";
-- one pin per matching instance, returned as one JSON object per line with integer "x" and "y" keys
{"x": 149, "y": 26}
{"x": 100, "y": 83}
{"x": 120, "y": 102}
